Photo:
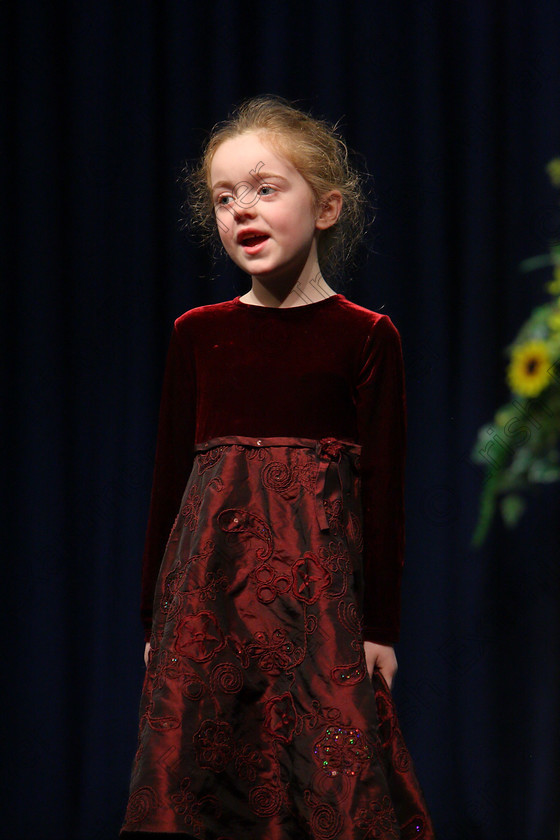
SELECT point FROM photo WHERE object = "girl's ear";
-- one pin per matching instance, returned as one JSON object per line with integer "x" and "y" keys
{"x": 330, "y": 205}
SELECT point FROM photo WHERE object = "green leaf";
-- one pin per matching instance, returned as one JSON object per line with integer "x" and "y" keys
{"x": 486, "y": 512}
{"x": 521, "y": 461}
{"x": 542, "y": 471}
{"x": 531, "y": 264}
{"x": 488, "y": 450}
{"x": 511, "y": 507}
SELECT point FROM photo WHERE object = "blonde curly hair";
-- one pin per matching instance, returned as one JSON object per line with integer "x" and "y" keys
{"x": 318, "y": 152}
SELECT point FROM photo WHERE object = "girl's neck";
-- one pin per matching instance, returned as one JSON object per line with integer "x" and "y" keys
{"x": 287, "y": 295}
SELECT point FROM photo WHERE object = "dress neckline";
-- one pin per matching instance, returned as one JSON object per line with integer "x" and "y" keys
{"x": 314, "y": 305}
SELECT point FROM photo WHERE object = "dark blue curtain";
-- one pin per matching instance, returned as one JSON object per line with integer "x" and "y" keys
{"x": 455, "y": 108}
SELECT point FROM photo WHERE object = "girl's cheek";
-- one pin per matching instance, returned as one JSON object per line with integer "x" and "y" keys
{"x": 227, "y": 242}
{"x": 223, "y": 223}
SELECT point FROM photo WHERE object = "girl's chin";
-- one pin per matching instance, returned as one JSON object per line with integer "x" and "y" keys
{"x": 273, "y": 275}
{"x": 268, "y": 270}
{"x": 259, "y": 268}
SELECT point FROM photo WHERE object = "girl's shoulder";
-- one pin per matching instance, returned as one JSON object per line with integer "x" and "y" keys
{"x": 375, "y": 324}
{"x": 206, "y": 312}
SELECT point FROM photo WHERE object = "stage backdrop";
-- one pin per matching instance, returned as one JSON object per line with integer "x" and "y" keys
{"x": 455, "y": 109}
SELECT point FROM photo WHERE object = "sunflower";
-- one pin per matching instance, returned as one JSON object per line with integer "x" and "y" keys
{"x": 527, "y": 373}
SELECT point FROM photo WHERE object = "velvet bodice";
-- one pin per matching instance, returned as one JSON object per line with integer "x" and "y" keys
{"x": 326, "y": 369}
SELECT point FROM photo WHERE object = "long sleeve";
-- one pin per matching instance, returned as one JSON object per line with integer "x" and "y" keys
{"x": 173, "y": 463}
{"x": 381, "y": 411}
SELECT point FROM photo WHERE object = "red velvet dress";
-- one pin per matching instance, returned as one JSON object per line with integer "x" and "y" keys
{"x": 277, "y": 507}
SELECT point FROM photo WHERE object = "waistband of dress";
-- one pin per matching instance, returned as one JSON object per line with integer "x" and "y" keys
{"x": 329, "y": 446}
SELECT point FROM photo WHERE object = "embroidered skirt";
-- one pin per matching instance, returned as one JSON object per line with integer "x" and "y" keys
{"x": 257, "y": 717}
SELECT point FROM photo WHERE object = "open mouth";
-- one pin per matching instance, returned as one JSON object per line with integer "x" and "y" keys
{"x": 253, "y": 240}
{"x": 249, "y": 241}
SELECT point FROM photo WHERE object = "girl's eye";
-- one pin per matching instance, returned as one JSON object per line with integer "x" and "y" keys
{"x": 264, "y": 188}
{"x": 224, "y": 199}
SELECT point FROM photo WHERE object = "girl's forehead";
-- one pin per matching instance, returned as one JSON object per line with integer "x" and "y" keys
{"x": 239, "y": 156}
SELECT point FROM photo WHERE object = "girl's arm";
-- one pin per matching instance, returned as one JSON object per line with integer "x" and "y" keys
{"x": 381, "y": 410}
{"x": 173, "y": 462}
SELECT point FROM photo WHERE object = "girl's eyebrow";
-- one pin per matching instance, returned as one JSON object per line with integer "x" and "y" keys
{"x": 262, "y": 175}
{"x": 253, "y": 176}
{"x": 221, "y": 184}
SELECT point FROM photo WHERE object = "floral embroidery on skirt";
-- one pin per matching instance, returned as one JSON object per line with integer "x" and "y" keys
{"x": 257, "y": 717}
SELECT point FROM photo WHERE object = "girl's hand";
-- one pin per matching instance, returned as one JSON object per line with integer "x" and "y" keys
{"x": 381, "y": 657}
{"x": 147, "y": 650}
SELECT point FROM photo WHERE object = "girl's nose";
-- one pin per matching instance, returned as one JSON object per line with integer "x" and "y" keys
{"x": 242, "y": 210}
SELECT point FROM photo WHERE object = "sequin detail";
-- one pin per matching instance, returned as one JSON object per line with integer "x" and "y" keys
{"x": 342, "y": 750}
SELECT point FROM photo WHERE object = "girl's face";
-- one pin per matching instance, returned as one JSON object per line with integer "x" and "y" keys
{"x": 265, "y": 210}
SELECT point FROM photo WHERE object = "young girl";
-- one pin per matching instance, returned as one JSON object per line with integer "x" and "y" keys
{"x": 266, "y": 712}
